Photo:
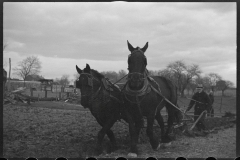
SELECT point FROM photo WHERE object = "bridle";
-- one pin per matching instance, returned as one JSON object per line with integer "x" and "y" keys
{"x": 90, "y": 79}
{"x": 141, "y": 75}
{"x": 97, "y": 96}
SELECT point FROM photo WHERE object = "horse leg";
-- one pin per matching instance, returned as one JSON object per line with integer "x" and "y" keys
{"x": 153, "y": 139}
{"x": 160, "y": 121}
{"x": 171, "y": 113}
{"x": 138, "y": 125}
{"x": 133, "y": 136}
{"x": 112, "y": 140}
{"x": 105, "y": 129}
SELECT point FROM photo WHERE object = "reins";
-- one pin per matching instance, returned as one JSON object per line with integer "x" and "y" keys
{"x": 120, "y": 79}
{"x": 158, "y": 91}
{"x": 93, "y": 95}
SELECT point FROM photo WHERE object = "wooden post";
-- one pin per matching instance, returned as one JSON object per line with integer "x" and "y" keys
{"x": 31, "y": 90}
{"x": 9, "y": 68}
{"x": 56, "y": 93}
{"x": 221, "y": 106}
{"x": 45, "y": 91}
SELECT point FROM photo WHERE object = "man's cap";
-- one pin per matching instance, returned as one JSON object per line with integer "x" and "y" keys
{"x": 200, "y": 86}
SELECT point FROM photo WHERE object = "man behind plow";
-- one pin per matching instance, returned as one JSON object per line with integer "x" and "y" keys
{"x": 202, "y": 103}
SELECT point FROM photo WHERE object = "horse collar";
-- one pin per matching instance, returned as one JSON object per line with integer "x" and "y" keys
{"x": 144, "y": 90}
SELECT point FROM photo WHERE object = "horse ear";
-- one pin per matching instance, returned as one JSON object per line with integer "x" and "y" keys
{"x": 88, "y": 68}
{"x": 145, "y": 47}
{"x": 130, "y": 47}
{"x": 78, "y": 70}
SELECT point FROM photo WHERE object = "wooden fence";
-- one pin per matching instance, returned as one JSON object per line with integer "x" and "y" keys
{"x": 36, "y": 89}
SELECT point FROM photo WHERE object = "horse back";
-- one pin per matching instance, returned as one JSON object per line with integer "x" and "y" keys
{"x": 167, "y": 88}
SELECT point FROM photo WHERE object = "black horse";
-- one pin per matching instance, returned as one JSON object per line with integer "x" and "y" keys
{"x": 146, "y": 96}
{"x": 103, "y": 100}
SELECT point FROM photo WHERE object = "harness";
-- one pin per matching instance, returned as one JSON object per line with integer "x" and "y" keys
{"x": 105, "y": 86}
{"x": 147, "y": 88}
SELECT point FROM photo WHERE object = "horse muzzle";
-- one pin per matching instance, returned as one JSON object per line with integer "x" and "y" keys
{"x": 136, "y": 79}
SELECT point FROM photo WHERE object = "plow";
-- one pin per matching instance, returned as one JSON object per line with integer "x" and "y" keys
{"x": 212, "y": 124}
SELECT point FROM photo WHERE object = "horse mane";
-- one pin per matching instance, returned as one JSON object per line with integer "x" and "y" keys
{"x": 97, "y": 74}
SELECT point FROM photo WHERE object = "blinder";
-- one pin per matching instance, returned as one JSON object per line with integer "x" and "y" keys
{"x": 89, "y": 79}
{"x": 90, "y": 82}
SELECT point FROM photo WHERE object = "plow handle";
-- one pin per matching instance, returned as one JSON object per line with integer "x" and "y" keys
{"x": 194, "y": 124}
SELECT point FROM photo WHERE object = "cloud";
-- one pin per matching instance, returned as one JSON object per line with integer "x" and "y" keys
{"x": 56, "y": 67}
{"x": 14, "y": 44}
{"x": 218, "y": 7}
{"x": 201, "y": 33}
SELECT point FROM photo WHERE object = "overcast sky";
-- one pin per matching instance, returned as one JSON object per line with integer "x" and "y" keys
{"x": 63, "y": 35}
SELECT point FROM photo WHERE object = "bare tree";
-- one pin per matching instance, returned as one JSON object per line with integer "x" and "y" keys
{"x": 192, "y": 71}
{"x": 223, "y": 85}
{"x": 206, "y": 81}
{"x": 166, "y": 73}
{"x": 183, "y": 74}
{"x": 177, "y": 69}
{"x": 29, "y": 66}
{"x": 64, "y": 80}
{"x": 213, "y": 79}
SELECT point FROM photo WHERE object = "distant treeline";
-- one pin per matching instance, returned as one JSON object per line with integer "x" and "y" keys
{"x": 186, "y": 77}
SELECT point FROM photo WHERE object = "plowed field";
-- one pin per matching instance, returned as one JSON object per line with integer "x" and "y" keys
{"x": 53, "y": 130}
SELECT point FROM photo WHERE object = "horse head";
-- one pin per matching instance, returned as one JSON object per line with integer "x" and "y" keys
{"x": 137, "y": 63}
{"x": 88, "y": 83}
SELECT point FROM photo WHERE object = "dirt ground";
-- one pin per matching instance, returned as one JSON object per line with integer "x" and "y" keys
{"x": 33, "y": 131}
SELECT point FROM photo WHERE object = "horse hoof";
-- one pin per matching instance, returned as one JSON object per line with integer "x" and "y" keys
{"x": 167, "y": 144}
{"x": 158, "y": 147}
{"x": 132, "y": 155}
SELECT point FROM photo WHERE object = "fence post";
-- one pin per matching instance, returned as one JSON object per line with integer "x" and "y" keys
{"x": 31, "y": 90}
{"x": 45, "y": 91}
{"x": 56, "y": 93}
{"x": 221, "y": 105}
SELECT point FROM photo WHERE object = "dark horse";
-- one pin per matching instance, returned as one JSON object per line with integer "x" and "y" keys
{"x": 103, "y": 100}
{"x": 146, "y": 96}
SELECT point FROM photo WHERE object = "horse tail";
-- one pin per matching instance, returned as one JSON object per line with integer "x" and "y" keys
{"x": 177, "y": 116}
